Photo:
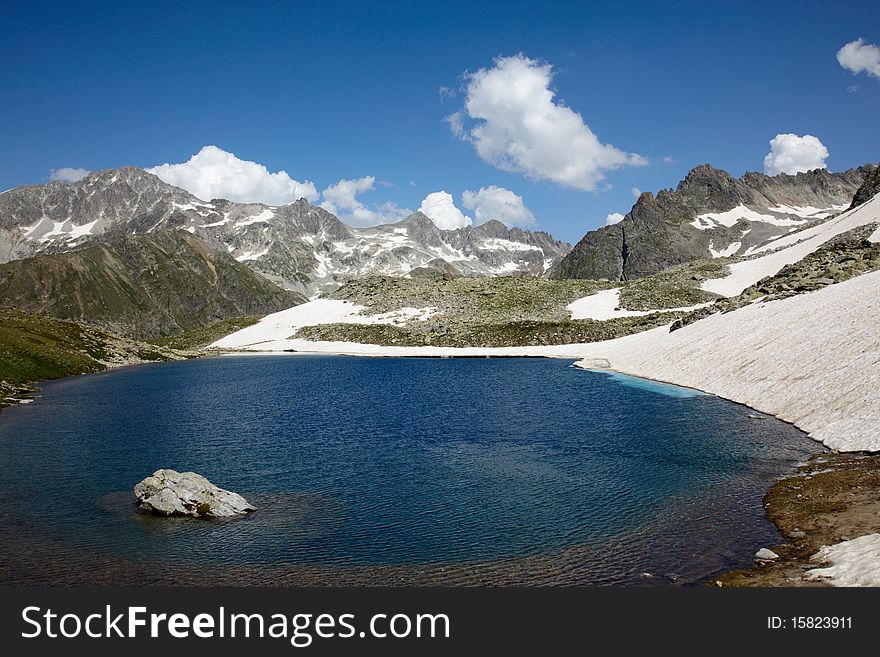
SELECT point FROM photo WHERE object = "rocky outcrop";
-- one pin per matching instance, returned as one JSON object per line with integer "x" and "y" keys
{"x": 868, "y": 189}
{"x": 172, "y": 493}
{"x": 664, "y": 231}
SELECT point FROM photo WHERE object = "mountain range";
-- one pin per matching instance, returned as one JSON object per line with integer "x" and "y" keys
{"x": 299, "y": 246}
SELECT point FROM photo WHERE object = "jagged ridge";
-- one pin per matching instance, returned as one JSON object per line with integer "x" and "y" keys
{"x": 298, "y": 245}
{"x": 709, "y": 214}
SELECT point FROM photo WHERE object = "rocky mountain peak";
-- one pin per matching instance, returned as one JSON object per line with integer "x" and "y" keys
{"x": 869, "y": 188}
{"x": 493, "y": 228}
{"x": 709, "y": 214}
{"x": 419, "y": 220}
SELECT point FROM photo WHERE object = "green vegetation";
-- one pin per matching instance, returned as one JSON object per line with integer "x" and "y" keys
{"x": 202, "y": 336}
{"x": 144, "y": 286}
{"x": 33, "y": 347}
{"x": 489, "y": 300}
{"x": 36, "y": 347}
{"x": 479, "y": 312}
{"x": 486, "y": 334}
{"x": 677, "y": 287}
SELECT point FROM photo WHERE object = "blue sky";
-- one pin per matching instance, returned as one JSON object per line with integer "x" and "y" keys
{"x": 329, "y": 91}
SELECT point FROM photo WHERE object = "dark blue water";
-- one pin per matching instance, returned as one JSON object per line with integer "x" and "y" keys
{"x": 359, "y": 464}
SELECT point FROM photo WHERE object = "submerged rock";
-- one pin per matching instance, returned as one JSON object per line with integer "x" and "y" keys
{"x": 172, "y": 493}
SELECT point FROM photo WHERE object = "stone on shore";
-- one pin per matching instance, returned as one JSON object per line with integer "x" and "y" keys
{"x": 172, "y": 493}
{"x": 765, "y": 554}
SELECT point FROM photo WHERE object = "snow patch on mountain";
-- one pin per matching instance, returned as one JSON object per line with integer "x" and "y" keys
{"x": 726, "y": 252}
{"x": 741, "y": 213}
{"x": 790, "y": 249}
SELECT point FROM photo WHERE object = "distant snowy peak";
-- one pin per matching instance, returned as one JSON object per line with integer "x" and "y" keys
{"x": 298, "y": 245}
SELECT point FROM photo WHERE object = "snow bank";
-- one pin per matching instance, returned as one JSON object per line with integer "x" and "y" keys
{"x": 853, "y": 563}
{"x": 272, "y": 333}
{"x": 605, "y": 305}
{"x": 812, "y": 359}
{"x": 791, "y": 249}
{"x": 601, "y": 305}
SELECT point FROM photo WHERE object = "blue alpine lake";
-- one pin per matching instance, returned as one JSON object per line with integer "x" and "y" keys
{"x": 388, "y": 471}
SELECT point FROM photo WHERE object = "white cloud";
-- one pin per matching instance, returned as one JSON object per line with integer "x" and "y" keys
{"x": 636, "y": 192}
{"x": 440, "y": 208}
{"x": 860, "y": 57}
{"x": 792, "y": 154}
{"x": 613, "y": 218}
{"x": 518, "y": 126}
{"x": 214, "y": 173}
{"x": 498, "y": 203}
{"x": 456, "y": 124}
{"x": 341, "y": 199}
{"x": 68, "y": 174}
{"x": 343, "y": 195}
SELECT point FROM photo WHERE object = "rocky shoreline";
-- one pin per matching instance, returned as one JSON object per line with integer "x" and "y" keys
{"x": 831, "y": 499}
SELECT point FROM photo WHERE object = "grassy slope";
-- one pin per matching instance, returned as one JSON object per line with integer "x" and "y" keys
{"x": 490, "y": 312}
{"x": 36, "y": 347}
{"x": 143, "y": 285}
{"x": 502, "y": 299}
{"x": 202, "y": 336}
{"x": 487, "y": 334}
{"x": 677, "y": 287}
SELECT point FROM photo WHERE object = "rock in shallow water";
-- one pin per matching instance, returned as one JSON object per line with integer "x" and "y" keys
{"x": 172, "y": 493}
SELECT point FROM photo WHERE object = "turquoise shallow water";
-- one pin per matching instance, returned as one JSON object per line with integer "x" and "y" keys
{"x": 401, "y": 463}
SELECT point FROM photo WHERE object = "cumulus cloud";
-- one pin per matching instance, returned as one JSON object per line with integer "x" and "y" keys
{"x": 343, "y": 195}
{"x": 495, "y": 202}
{"x": 341, "y": 199}
{"x": 440, "y": 208}
{"x": 517, "y": 125}
{"x": 613, "y": 218}
{"x": 215, "y": 173}
{"x": 793, "y": 154}
{"x": 68, "y": 174}
{"x": 860, "y": 57}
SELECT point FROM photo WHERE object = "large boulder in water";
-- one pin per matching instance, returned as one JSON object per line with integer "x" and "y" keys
{"x": 172, "y": 493}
